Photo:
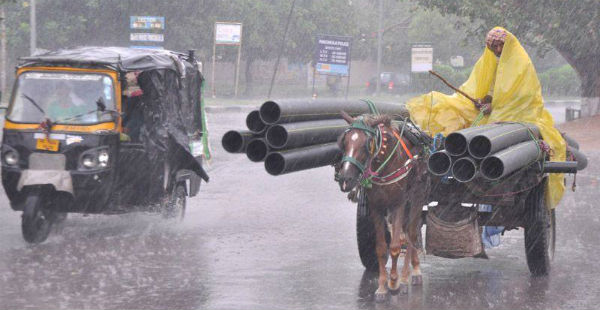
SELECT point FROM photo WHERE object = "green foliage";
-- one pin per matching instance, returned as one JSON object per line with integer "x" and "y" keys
{"x": 571, "y": 27}
{"x": 561, "y": 81}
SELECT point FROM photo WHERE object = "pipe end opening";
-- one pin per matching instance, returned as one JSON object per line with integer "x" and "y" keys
{"x": 492, "y": 168}
{"x": 480, "y": 147}
{"x": 256, "y": 150}
{"x": 277, "y": 136}
{"x": 232, "y": 141}
{"x": 274, "y": 163}
{"x": 270, "y": 112}
{"x": 464, "y": 170}
{"x": 455, "y": 144}
{"x": 254, "y": 122}
{"x": 439, "y": 163}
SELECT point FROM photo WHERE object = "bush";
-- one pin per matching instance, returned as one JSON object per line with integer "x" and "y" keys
{"x": 560, "y": 81}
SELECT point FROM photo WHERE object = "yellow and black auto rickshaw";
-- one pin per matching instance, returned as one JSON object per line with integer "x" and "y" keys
{"x": 103, "y": 130}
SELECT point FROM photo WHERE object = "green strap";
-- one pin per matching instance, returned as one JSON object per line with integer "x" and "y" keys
{"x": 355, "y": 162}
{"x": 371, "y": 105}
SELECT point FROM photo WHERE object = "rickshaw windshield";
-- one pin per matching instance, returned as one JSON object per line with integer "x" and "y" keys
{"x": 63, "y": 97}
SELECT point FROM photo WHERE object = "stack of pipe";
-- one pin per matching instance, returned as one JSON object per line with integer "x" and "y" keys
{"x": 294, "y": 135}
{"x": 495, "y": 151}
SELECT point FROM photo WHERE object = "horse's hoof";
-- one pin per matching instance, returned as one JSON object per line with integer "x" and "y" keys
{"x": 380, "y": 296}
{"x": 417, "y": 280}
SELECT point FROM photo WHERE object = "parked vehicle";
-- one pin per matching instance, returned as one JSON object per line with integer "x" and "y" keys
{"x": 102, "y": 130}
{"x": 390, "y": 82}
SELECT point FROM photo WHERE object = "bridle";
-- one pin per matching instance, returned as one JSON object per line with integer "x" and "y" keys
{"x": 376, "y": 144}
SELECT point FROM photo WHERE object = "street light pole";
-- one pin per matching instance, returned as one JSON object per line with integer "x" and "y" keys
{"x": 32, "y": 26}
{"x": 379, "y": 42}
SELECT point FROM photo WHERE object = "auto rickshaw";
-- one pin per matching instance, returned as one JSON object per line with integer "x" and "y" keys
{"x": 103, "y": 130}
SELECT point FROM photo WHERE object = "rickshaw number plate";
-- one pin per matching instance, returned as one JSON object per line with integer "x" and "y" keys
{"x": 47, "y": 145}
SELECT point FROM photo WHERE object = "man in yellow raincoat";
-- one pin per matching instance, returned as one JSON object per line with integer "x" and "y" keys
{"x": 505, "y": 73}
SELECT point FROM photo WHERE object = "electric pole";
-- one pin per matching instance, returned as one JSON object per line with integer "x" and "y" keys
{"x": 32, "y": 26}
{"x": 379, "y": 43}
{"x": 2, "y": 49}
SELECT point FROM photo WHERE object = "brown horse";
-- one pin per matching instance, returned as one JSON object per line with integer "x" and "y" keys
{"x": 392, "y": 170}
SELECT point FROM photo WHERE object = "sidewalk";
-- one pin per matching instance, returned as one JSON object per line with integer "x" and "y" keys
{"x": 586, "y": 131}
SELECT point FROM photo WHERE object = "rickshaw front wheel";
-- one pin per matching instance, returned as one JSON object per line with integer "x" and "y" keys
{"x": 36, "y": 221}
{"x": 175, "y": 206}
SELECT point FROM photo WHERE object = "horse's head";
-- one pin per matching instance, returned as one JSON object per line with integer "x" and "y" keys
{"x": 359, "y": 144}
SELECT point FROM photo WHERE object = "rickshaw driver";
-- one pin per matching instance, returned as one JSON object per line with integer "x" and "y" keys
{"x": 64, "y": 103}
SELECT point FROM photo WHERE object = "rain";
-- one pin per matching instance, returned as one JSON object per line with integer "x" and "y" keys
{"x": 259, "y": 154}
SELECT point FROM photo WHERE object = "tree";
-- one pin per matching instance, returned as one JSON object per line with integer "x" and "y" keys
{"x": 571, "y": 27}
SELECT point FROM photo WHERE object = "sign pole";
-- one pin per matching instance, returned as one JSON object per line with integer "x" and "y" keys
{"x": 237, "y": 66}
{"x": 348, "y": 81}
{"x": 314, "y": 95}
{"x": 214, "y": 64}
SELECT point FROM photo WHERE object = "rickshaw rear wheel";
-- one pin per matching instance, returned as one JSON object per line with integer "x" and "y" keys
{"x": 540, "y": 232}
{"x": 175, "y": 206}
{"x": 36, "y": 221}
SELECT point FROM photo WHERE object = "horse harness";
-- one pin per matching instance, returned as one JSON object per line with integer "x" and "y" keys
{"x": 379, "y": 135}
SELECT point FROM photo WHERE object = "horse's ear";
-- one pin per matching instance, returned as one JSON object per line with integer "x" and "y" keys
{"x": 347, "y": 117}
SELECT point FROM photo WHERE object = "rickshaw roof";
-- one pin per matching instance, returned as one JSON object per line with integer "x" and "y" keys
{"x": 121, "y": 58}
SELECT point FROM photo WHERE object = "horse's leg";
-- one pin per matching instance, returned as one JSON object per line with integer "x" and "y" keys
{"x": 414, "y": 226}
{"x": 381, "y": 251}
{"x": 398, "y": 238}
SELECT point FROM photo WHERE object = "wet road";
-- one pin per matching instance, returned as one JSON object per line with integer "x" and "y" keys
{"x": 253, "y": 241}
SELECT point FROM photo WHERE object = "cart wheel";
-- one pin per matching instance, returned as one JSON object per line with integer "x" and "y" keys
{"x": 175, "y": 207}
{"x": 540, "y": 232}
{"x": 36, "y": 222}
{"x": 365, "y": 235}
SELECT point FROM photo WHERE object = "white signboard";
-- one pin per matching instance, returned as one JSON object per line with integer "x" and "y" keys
{"x": 457, "y": 61}
{"x": 228, "y": 33}
{"x": 421, "y": 58}
{"x": 147, "y": 37}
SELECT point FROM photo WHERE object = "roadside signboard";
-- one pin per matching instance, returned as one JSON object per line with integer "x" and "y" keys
{"x": 147, "y": 31}
{"x": 147, "y": 37}
{"x": 332, "y": 55}
{"x": 421, "y": 57}
{"x": 457, "y": 61}
{"x": 147, "y": 22}
{"x": 228, "y": 33}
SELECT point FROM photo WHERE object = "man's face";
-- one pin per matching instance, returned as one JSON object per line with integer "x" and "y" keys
{"x": 496, "y": 47}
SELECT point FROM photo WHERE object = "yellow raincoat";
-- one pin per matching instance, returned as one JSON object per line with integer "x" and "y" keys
{"x": 517, "y": 97}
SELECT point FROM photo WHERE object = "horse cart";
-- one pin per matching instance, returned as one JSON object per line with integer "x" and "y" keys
{"x": 102, "y": 130}
{"x": 468, "y": 174}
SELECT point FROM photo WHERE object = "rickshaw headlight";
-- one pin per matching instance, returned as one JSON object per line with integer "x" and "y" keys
{"x": 88, "y": 161}
{"x": 11, "y": 158}
{"x": 103, "y": 158}
{"x": 96, "y": 158}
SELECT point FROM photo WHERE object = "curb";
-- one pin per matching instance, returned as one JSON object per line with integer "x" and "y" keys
{"x": 230, "y": 108}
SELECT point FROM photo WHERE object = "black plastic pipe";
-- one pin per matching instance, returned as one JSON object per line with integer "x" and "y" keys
{"x": 464, "y": 169}
{"x": 254, "y": 123}
{"x": 493, "y": 140}
{"x": 287, "y": 111}
{"x": 457, "y": 143}
{"x": 509, "y": 160}
{"x": 257, "y": 150}
{"x": 570, "y": 141}
{"x": 580, "y": 158}
{"x": 293, "y": 135}
{"x": 560, "y": 167}
{"x": 235, "y": 141}
{"x": 309, "y": 157}
{"x": 439, "y": 163}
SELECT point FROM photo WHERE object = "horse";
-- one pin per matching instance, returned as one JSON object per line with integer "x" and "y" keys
{"x": 392, "y": 170}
